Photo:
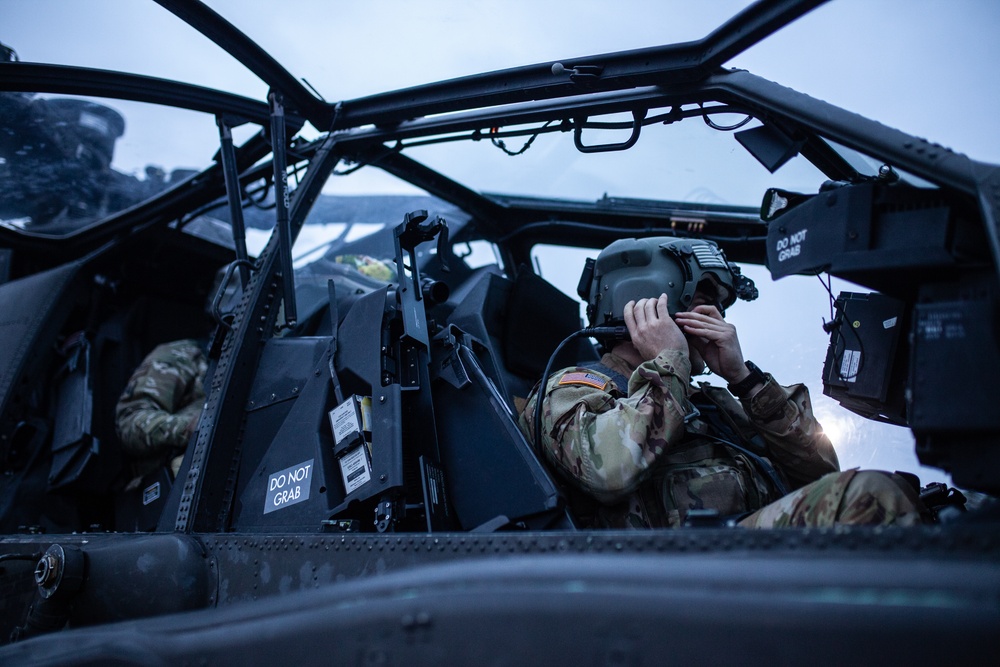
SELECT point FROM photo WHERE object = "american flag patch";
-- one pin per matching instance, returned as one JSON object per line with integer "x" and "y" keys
{"x": 588, "y": 379}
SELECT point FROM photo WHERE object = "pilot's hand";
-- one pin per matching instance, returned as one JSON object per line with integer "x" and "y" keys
{"x": 651, "y": 328}
{"x": 716, "y": 341}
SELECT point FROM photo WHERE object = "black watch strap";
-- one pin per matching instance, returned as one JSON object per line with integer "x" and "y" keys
{"x": 743, "y": 387}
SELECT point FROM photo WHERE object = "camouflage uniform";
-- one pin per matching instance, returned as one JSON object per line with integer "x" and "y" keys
{"x": 648, "y": 457}
{"x": 161, "y": 404}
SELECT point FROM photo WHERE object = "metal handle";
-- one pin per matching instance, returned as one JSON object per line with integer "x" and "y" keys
{"x": 637, "y": 117}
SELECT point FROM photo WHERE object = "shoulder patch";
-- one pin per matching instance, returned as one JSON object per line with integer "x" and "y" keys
{"x": 588, "y": 379}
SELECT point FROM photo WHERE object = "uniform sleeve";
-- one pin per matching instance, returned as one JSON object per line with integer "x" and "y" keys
{"x": 162, "y": 401}
{"x": 605, "y": 443}
{"x": 796, "y": 441}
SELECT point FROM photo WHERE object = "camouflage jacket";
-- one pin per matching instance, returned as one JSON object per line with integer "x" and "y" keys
{"x": 648, "y": 455}
{"x": 161, "y": 404}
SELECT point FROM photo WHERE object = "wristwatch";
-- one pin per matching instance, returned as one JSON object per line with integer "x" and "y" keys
{"x": 743, "y": 387}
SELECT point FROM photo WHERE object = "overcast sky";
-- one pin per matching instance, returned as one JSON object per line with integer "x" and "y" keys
{"x": 927, "y": 67}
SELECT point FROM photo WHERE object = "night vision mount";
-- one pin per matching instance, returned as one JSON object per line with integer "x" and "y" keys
{"x": 632, "y": 269}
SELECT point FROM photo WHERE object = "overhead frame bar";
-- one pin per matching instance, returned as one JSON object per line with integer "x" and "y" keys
{"x": 209, "y": 23}
{"x": 676, "y": 63}
{"x": 66, "y": 80}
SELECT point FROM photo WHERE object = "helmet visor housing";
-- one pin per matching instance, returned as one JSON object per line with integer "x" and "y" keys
{"x": 633, "y": 269}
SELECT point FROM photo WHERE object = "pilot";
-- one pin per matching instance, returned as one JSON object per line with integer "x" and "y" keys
{"x": 648, "y": 449}
{"x": 159, "y": 409}
{"x": 161, "y": 405}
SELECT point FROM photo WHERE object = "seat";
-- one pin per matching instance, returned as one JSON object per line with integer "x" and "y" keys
{"x": 521, "y": 322}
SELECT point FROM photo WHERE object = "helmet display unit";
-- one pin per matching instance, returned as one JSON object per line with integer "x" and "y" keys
{"x": 632, "y": 269}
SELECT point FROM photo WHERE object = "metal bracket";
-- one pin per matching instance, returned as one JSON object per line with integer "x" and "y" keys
{"x": 234, "y": 193}
{"x": 245, "y": 266}
{"x": 581, "y": 74}
{"x": 385, "y": 515}
{"x": 282, "y": 224}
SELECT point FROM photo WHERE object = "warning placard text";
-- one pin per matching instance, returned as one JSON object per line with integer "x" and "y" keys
{"x": 288, "y": 486}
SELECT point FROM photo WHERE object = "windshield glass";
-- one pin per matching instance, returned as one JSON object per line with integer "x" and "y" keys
{"x": 144, "y": 38}
{"x": 685, "y": 161}
{"x": 67, "y": 162}
{"x": 353, "y": 50}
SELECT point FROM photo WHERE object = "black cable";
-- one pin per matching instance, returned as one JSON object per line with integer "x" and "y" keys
{"x": 720, "y": 425}
{"x": 265, "y": 189}
{"x": 502, "y": 146}
{"x": 840, "y": 320}
{"x": 348, "y": 170}
{"x": 828, "y": 285}
{"x": 764, "y": 464}
{"x": 666, "y": 118}
{"x": 246, "y": 202}
{"x": 725, "y": 128}
{"x": 604, "y": 333}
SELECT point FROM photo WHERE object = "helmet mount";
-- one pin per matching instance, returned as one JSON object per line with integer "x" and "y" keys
{"x": 632, "y": 269}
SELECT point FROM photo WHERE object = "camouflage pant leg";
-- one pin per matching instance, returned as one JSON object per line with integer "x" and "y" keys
{"x": 853, "y": 497}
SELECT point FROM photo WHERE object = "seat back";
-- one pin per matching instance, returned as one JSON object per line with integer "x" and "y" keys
{"x": 521, "y": 322}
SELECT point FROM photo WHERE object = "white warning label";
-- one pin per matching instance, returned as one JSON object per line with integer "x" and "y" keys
{"x": 151, "y": 493}
{"x": 790, "y": 246}
{"x": 344, "y": 420}
{"x": 288, "y": 487}
{"x": 355, "y": 468}
{"x": 849, "y": 365}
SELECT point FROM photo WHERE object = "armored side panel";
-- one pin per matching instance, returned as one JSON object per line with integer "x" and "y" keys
{"x": 34, "y": 309}
{"x": 955, "y": 332}
{"x": 287, "y": 473}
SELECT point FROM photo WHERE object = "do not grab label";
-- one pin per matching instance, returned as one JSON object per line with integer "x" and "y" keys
{"x": 288, "y": 486}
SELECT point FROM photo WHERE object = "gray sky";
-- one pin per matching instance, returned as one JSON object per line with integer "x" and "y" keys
{"x": 927, "y": 67}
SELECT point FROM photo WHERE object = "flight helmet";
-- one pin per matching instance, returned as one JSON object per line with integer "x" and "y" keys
{"x": 633, "y": 269}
